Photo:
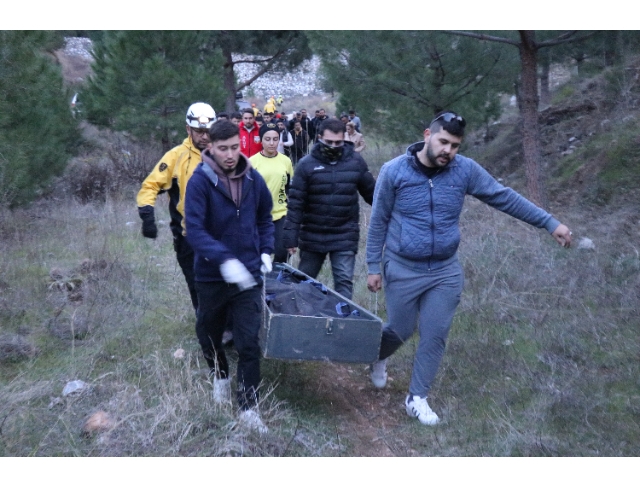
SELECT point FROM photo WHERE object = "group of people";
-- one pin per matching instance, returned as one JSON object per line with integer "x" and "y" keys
{"x": 248, "y": 205}
{"x": 298, "y": 132}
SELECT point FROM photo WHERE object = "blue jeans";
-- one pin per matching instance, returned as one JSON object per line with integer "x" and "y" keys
{"x": 427, "y": 299}
{"x": 342, "y": 265}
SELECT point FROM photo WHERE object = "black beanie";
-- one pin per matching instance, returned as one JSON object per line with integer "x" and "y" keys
{"x": 267, "y": 127}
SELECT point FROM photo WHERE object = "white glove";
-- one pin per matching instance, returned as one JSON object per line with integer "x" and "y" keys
{"x": 266, "y": 263}
{"x": 234, "y": 272}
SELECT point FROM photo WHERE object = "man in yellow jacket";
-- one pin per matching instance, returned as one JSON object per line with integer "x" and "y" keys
{"x": 171, "y": 175}
{"x": 270, "y": 107}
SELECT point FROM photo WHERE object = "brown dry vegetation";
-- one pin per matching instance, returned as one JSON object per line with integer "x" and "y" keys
{"x": 543, "y": 357}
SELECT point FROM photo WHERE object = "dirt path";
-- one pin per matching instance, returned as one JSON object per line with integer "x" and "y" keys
{"x": 366, "y": 417}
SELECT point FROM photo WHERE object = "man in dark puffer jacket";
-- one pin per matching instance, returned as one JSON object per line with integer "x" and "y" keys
{"x": 323, "y": 210}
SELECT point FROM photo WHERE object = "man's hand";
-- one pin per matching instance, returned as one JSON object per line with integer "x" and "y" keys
{"x": 266, "y": 266}
{"x": 149, "y": 228}
{"x": 234, "y": 272}
{"x": 292, "y": 250}
{"x": 374, "y": 282}
{"x": 562, "y": 234}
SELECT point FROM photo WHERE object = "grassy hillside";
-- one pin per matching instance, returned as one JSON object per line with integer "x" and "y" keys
{"x": 543, "y": 357}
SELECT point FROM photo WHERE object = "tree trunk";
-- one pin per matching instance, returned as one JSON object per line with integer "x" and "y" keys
{"x": 530, "y": 133}
{"x": 545, "y": 92}
{"x": 229, "y": 82}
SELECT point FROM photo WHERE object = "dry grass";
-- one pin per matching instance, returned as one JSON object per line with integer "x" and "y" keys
{"x": 78, "y": 265}
{"x": 542, "y": 358}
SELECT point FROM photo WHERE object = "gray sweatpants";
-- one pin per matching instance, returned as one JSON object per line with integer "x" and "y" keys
{"x": 428, "y": 299}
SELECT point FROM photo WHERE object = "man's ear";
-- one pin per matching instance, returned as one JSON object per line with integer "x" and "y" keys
{"x": 427, "y": 134}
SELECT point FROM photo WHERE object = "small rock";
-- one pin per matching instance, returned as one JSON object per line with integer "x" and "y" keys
{"x": 586, "y": 244}
{"x": 572, "y": 139}
{"x": 130, "y": 224}
{"x": 74, "y": 387}
{"x": 179, "y": 354}
{"x": 97, "y": 422}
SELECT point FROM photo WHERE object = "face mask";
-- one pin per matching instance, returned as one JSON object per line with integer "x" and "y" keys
{"x": 330, "y": 152}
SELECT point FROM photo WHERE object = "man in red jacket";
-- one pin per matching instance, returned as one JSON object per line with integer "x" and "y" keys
{"x": 250, "y": 143}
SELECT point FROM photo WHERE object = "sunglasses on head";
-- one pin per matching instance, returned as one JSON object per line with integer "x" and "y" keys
{"x": 448, "y": 117}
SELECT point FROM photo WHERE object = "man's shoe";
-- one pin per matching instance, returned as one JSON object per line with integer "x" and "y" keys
{"x": 251, "y": 419}
{"x": 379, "y": 373}
{"x": 221, "y": 391}
{"x": 417, "y": 407}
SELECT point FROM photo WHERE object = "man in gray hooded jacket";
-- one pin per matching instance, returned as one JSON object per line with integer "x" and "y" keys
{"x": 414, "y": 236}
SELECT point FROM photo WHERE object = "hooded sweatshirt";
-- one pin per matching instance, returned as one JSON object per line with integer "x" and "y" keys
{"x": 231, "y": 181}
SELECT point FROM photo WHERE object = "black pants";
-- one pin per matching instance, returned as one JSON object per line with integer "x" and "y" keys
{"x": 219, "y": 300}
{"x": 280, "y": 251}
{"x": 185, "y": 256}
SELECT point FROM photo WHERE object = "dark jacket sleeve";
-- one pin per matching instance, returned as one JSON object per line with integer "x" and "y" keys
{"x": 366, "y": 184}
{"x": 295, "y": 207}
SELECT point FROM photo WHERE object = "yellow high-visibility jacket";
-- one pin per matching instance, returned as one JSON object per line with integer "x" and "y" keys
{"x": 171, "y": 175}
{"x": 270, "y": 107}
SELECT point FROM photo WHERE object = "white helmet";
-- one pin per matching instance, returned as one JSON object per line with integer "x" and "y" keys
{"x": 200, "y": 115}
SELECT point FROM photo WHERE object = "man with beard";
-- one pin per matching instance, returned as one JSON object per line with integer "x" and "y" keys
{"x": 249, "y": 134}
{"x": 323, "y": 211}
{"x": 413, "y": 237}
{"x": 320, "y": 117}
{"x": 229, "y": 225}
{"x": 171, "y": 175}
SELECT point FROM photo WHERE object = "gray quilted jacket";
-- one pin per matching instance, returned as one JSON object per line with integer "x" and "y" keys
{"x": 415, "y": 218}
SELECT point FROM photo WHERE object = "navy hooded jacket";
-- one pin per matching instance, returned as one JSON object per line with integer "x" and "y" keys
{"x": 218, "y": 230}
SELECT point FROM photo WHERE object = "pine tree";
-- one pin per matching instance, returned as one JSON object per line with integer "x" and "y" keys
{"x": 397, "y": 80}
{"x": 144, "y": 81}
{"x": 37, "y": 131}
{"x": 528, "y": 46}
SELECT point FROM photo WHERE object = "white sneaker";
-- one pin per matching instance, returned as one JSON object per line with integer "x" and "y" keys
{"x": 251, "y": 419}
{"x": 417, "y": 407}
{"x": 379, "y": 373}
{"x": 221, "y": 391}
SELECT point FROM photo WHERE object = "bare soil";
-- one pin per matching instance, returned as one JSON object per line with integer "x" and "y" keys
{"x": 365, "y": 416}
